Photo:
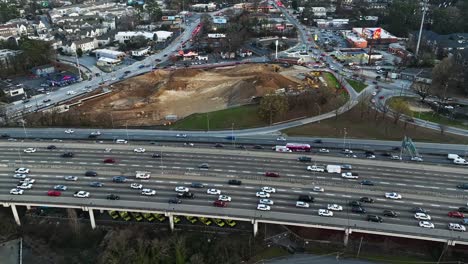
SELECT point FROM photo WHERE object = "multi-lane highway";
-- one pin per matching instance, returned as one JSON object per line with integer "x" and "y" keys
{"x": 430, "y": 187}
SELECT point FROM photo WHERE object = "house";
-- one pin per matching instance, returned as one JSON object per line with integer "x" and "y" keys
{"x": 43, "y": 70}
{"x": 7, "y": 31}
{"x": 6, "y": 56}
{"x": 440, "y": 45}
{"x": 319, "y": 11}
{"x": 85, "y": 45}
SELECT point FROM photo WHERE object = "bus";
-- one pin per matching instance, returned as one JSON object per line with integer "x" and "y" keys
{"x": 298, "y": 147}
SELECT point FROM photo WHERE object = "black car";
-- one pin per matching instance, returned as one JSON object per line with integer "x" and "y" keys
{"x": 390, "y": 213}
{"x": 463, "y": 186}
{"x": 175, "y": 201}
{"x": 346, "y": 167}
{"x": 113, "y": 197}
{"x": 305, "y": 198}
{"x": 235, "y": 182}
{"x": 156, "y": 155}
{"x": 119, "y": 179}
{"x": 92, "y": 136}
{"x": 366, "y": 200}
{"x": 219, "y": 145}
{"x": 68, "y": 155}
{"x": 51, "y": 147}
{"x": 463, "y": 209}
{"x": 354, "y": 203}
{"x": 419, "y": 210}
{"x": 96, "y": 184}
{"x": 257, "y": 147}
{"x": 5, "y": 136}
{"x": 358, "y": 209}
{"x": 318, "y": 141}
{"x": 374, "y": 218}
{"x": 189, "y": 195}
{"x": 91, "y": 173}
{"x": 367, "y": 182}
{"x": 304, "y": 159}
{"x": 127, "y": 72}
{"x": 197, "y": 185}
{"x": 204, "y": 166}
{"x": 241, "y": 147}
{"x": 369, "y": 152}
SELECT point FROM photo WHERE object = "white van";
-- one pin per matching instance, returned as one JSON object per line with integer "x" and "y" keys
{"x": 121, "y": 141}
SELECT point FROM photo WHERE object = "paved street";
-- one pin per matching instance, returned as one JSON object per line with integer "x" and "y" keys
{"x": 310, "y": 258}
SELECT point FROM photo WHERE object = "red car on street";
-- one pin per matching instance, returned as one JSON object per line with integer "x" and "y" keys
{"x": 54, "y": 193}
{"x": 219, "y": 203}
{"x": 109, "y": 160}
{"x": 271, "y": 174}
{"x": 456, "y": 214}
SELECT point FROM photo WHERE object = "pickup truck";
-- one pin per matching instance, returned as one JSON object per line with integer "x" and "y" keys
{"x": 316, "y": 168}
{"x": 349, "y": 175}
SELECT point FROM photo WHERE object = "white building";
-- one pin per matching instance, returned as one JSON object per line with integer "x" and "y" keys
{"x": 110, "y": 54}
{"x": 161, "y": 36}
{"x": 141, "y": 52}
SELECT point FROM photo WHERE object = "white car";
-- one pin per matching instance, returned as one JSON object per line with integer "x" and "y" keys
{"x": 189, "y": 144}
{"x": 139, "y": 150}
{"x": 71, "y": 178}
{"x": 20, "y": 176}
{"x": 395, "y": 157}
{"x": 370, "y": 157}
{"x": 96, "y": 133}
{"x": 16, "y": 191}
{"x": 142, "y": 174}
{"x": 266, "y": 201}
{"x": 224, "y": 198}
{"x": 422, "y": 216}
{"x": 318, "y": 189}
{"x": 24, "y": 186}
{"x": 181, "y": 135}
{"x": 30, "y": 150}
{"x": 27, "y": 180}
{"x": 136, "y": 186}
{"x": 262, "y": 194}
{"x": 426, "y": 224}
{"x": 325, "y": 212}
{"x": 71, "y": 92}
{"x": 302, "y": 204}
{"x": 316, "y": 168}
{"x": 322, "y": 150}
{"x": 263, "y": 207}
{"x": 347, "y": 151}
{"x": 418, "y": 159}
{"x": 107, "y": 150}
{"x": 81, "y": 194}
{"x": 213, "y": 191}
{"x": 268, "y": 189}
{"x": 335, "y": 207}
{"x": 181, "y": 189}
{"x": 280, "y": 139}
{"x": 148, "y": 192}
{"x": 22, "y": 170}
{"x": 349, "y": 175}
{"x": 456, "y": 227}
{"x": 69, "y": 131}
{"x": 393, "y": 195}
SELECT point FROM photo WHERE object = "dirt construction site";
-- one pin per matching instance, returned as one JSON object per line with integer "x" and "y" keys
{"x": 149, "y": 98}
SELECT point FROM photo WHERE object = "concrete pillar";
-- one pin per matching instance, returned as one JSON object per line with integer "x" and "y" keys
{"x": 255, "y": 227}
{"x": 28, "y": 207}
{"x": 101, "y": 211}
{"x": 15, "y": 214}
{"x": 171, "y": 221}
{"x": 348, "y": 231}
{"x": 91, "y": 218}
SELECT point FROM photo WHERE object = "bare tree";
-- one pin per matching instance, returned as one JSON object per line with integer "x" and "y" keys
{"x": 442, "y": 74}
{"x": 442, "y": 128}
{"x": 363, "y": 103}
{"x": 423, "y": 89}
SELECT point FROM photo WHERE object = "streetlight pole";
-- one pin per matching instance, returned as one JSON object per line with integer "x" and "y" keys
{"x": 232, "y": 136}
{"x": 424, "y": 9}
{"x": 126, "y": 129}
{"x": 24, "y": 128}
{"x": 344, "y": 139}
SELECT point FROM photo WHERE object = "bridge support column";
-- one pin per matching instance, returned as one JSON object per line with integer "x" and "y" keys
{"x": 255, "y": 227}
{"x": 348, "y": 231}
{"x": 171, "y": 221}
{"x": 15, "y": 214}
{"x": 91, "y": 218}
{"x": 28, "y": 207}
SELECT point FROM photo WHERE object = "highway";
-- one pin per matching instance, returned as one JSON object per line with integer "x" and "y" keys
{"x": 430, "y": 187}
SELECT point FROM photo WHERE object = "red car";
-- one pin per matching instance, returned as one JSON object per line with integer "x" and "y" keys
{"x": 109, "y": 160}
{"x": 54, "y": 193}
{"x": 381, "y": 97}
{"x": 218, "y": 203}
{"x": 456, "y": 214}
{"x": 271, "y": 174}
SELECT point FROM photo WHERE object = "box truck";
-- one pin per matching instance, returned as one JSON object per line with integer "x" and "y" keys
{"x": 333, "y": 168}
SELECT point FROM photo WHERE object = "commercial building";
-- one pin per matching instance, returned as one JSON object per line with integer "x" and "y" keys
{"x": 332, "y": 23}
{"x": 159, "y": 36}
{"x": 44, "y": 70}
{"x": 362, "y": 37}
{"x": 110, "y": 54}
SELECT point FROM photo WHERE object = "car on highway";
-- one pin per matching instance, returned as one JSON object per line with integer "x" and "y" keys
{"x": 316, "y": 168}
{"x": 463, "y": 209}
{"x": 456, "y": 227}
{"x": 22, "y": 170}
{"x": 112, "y": 197}
{"x": 96, "y": 184}
{"x": 422, "y": 216}
{"x": 121, "y": 141}
{"x": 370, "y": 156}
{"x": 263, "y": 207}
{"x": 197, "y": 185}
{"x": 60, "y": 187}
{"x": 367, "y": 182}
{"x": 224, "y": 198}
{"x": 426, "y": 224}
{"x": 109, "y": 160}
{"x": 390, "y": 213}
{"x": 257, "y": 147}
{"x": 268, "y": 189}
{"x": 262, "y": 194}
{"x": 51, "y": 147}
{"x": 456, "y": 214}
{"x": 418, "y": 210}
{"x": 71, "y": 178}
{"x": 306, "y": 198}
{"x": 324, "y": 150}
{"x": 30, "y": 150}
{"x": 235, "y": 182}
{"x": 148, "y": 192}
{"x": 325, "y": 212}
{"x": 136, "y": 185}
{"x": 67, "y": 155}
{"x": 213, "y": 191}
{"x": 349, "y": 175}
{"x": 335, "y": 207}
{"x": 69, "y": 131}
{"x": 280, "y": 139}
{"x": 27, "y": 180}
{"x": 366, "y": 200}
{"x": 318, "y": 189}
{"x": 91, "y": 173}
{"x": 417, "y": 159}
{"x": 266, "y": 201}
{"x": 81, "y": 194}
{"x": 358, "y": 209}
{"x": 24, "y": 185}
{"x": 302, "y": 204}
{"x": 156, "y": 155}
{"x": 139, "y": 150}
{"x": 96, "y": 133}
{"x": 463, "y": 186}
{"x": 119, "y": 179}
{"x": 393, "y": 195}
{"x": 304, "y": 159}
{"x": 181, "y": 189}
{"x": 346, "y": 167}
{"x": 374, "y": 218}
{"x": 16, "y": 191}
{"x": 188, "y": 195}
{"x": 271, "y": 174}
{"x": 219, "y": 145}
{"x": 347, "y": 151}
{"x": 175, "y": 201}
{"x": 219, "y": 203}
{"x": 53, "y": 193}
{"x": 395, "y": 157}
{"x": 204, "y": 166}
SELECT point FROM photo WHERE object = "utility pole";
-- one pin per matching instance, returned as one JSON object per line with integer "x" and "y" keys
{"x": 344, "y": 139}
{"x": 78, "y": 65}
{"x": 424, "y": 9}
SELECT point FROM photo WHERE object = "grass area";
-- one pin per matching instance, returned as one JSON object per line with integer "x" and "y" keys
{"x": 357, "y": 85}
{"x": 330, "y": 79}
{"x": 269, "y": 253}
{"x": 242, "y": 117}
{"x": 433, "y": 117}
{"x": 372, "y": 125}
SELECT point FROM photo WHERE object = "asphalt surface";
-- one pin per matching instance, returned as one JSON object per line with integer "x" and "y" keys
{"x": 310, "y": 258}
{"x": 430, "y": 187}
